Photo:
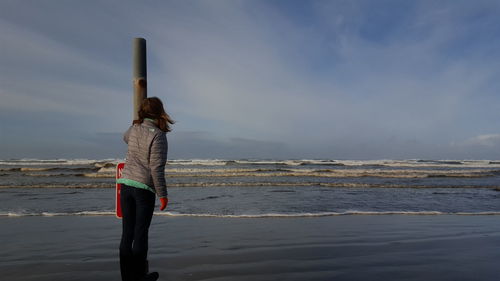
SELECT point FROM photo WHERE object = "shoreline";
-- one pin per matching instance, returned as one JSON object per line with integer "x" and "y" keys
{"x": 362, "y": 247}
{"x": 258, "y": 184}
{"x": 254, "y": 216}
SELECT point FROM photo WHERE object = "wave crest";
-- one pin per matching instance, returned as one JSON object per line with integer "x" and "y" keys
{"x": 266, "y": 215}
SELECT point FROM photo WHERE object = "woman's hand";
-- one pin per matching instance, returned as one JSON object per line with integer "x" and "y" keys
{"x": 164, "y": 202}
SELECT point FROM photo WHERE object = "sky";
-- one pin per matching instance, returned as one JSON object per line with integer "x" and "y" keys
{"x": 254, "y": 79}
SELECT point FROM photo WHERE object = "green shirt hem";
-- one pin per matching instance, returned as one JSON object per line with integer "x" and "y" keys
{"x": 134, "y": 183}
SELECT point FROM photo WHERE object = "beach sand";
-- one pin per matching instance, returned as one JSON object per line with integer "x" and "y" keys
{"x": 355, "y": 247}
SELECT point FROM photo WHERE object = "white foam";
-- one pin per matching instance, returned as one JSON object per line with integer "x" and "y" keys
{"x": 201, "y": 162}
{"x": 55, "y": 214}
{"x": 257, "y": 184}
{"x": 99, "y": 175}
{"x": 62, "y": 162}
{"x": 330, "y": 172}
{"x": 326, "y": 214}
{"x": 266, "y": 215}
{"x": 335, "y": 173}
{"x": 222, "y": 162}
{"x": 107, "y": 170}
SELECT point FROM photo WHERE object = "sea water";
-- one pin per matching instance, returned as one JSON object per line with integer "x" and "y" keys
{"x": 260, "y": 188}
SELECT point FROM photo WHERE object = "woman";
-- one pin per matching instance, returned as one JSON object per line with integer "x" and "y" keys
{"x": 142, "y": 177}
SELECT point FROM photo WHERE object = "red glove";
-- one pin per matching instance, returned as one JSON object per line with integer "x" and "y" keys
{"x": 164, "y": 202}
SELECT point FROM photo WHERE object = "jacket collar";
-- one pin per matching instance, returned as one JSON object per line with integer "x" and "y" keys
{"x": 149, "y": 122}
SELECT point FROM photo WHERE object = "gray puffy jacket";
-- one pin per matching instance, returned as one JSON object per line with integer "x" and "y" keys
{"x": 146, "y": 156}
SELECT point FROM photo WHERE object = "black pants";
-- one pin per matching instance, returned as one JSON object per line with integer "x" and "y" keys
{"x": 137, "y": 209}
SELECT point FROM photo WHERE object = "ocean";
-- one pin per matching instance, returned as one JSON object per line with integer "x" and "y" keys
{"x": 260, "y": 188}
{"x": 259, "y": 220}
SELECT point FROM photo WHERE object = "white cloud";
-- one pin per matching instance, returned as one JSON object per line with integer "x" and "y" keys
{"x": 40, "y": 74}
{"x": 225, "y": 65}
{"x": 252, "y": 70}
{"x": 488, "y": 140}
{"x": 33, "y": 53}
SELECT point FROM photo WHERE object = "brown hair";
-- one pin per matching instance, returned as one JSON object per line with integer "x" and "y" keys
{"x": 153, "y": 108}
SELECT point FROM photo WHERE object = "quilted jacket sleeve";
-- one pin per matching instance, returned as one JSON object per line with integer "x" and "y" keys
{"x": 126, "y": 135}
{"x": 157, "y": 162}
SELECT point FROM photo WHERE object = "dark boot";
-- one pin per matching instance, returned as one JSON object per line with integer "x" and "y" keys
{"x": 127, "y": 268}
{"x": 153, "y": 276}
{"x": 142, "y": 268}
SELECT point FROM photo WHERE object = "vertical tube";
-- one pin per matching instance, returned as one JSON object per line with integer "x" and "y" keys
{"x": 139, "y": 74}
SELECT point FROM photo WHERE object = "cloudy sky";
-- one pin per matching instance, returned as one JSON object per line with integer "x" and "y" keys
{"x": 255, "y": 79}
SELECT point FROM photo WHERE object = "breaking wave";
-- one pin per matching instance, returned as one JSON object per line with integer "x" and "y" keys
{"x": 262, "y": 172}
{"x": 298, "y": 162}
{"x": 266, "y": 215}
{"x": 264, "y": 184}
{"x": 335, "y": 173}
{"x": 59, "y": 162}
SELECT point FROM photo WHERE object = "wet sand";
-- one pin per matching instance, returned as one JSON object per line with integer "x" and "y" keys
{"x": 381, "y": 247}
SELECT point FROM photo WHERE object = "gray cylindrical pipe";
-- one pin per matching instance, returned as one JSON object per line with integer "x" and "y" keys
{"x": 139, "y": 74}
